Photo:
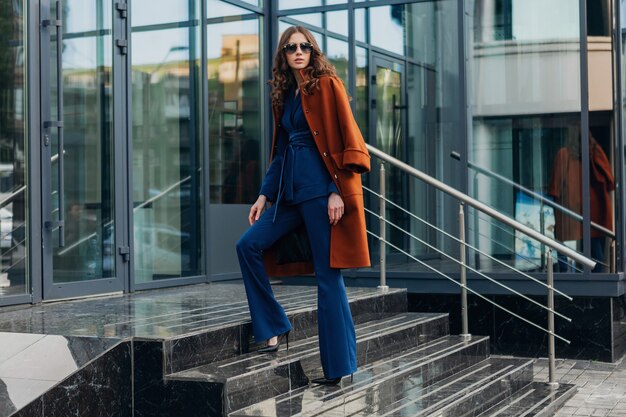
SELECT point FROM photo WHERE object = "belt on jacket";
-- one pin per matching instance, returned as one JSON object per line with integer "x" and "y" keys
{"x": 301, "y": 138}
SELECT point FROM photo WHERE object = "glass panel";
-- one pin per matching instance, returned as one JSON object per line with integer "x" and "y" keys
{"x": 386, "y": 28}
{"x": 337, "y": 22}
{"x": 216, "y": 8}
{"x": 314, "y": 19}
{"x": 152, "y": 12}
{"x": 14, "y": 279}
{"x": 422, "y": 18}
{"x": 88, "y": 153}
{"x": 235, "y": 103}
{"x": 525, "y": 63}
{"x": 167, "y": 149}
{"x": 337, "y": 54}
{"x": 359, "y": 25}
{"x": 362, "y": 92}
{"x": 296, "y": 4}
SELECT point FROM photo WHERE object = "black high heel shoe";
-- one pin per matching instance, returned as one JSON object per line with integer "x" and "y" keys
{"x": 334, "y": 381}
{"x": 274, "y": 348}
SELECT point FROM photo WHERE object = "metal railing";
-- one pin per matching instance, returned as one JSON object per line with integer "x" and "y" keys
{"x": 480, "y": 170}
{"x": 467, "y": 200}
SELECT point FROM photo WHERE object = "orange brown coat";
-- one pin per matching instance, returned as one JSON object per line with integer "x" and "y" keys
{"x": 342, "y": 148}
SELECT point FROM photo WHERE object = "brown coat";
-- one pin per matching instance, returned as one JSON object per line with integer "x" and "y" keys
{"x": 566, "y": 187}
{"x": 342, "y": 148}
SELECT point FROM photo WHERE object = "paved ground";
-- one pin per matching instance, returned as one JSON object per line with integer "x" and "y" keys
{"x": 601, "y": 386}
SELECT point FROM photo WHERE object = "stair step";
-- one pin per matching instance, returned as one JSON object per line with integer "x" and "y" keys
{"x": 534, "y": 400}
{"x": 427, "y": 364}
{"x": 252, "y": 377}
{"x": 215, "y": 334}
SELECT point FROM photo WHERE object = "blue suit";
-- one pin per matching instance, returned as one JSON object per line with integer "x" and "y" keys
{"x": 299, "y": 185}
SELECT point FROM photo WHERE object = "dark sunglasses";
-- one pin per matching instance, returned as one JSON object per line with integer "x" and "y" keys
{"x": 291, "y": 48}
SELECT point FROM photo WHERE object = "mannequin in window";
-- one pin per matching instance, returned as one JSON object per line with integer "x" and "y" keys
{"x": 566, "y": 188}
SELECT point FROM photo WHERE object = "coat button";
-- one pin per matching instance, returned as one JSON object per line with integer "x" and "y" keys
{"x": 316, "y": 133}
{"x": 306, "y": 111}
{"x": 336, "y": 176}
{"x": 325, "y": 154}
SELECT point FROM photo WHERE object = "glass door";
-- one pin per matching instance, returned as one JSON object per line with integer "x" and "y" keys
{"x": 77, "y": 165}
{"x": 388, "y": 105}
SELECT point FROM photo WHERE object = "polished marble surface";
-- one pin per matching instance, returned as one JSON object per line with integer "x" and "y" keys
{"x": 380, "y": 383}
{"x": 596, "y": 331}
{"x": 159, "y": 314}
{"x": 250, "y": 378}
{"x": 31, "y": 364}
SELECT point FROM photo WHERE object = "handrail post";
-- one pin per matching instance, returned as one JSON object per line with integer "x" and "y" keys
{"x": 551, "y": 355}
{"x": 613, "y": 257}
{"x": 464, "y": 320}
{"x": 383, "y": 249}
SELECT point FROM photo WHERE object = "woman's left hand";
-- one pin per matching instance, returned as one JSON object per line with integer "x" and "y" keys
{"x": 335, "y": 208}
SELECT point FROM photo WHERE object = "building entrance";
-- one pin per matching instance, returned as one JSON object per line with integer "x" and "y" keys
{"x": 82, "y": 178}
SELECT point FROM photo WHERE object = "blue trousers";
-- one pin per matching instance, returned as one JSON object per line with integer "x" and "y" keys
{"x": 337, "y": 339}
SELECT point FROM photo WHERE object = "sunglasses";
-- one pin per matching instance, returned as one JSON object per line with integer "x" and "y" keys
{"x": 291, "y": 48}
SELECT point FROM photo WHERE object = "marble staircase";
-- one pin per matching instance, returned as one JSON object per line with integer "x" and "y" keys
{"x": 189, "y": 352}
{"x": 409, "y": 365}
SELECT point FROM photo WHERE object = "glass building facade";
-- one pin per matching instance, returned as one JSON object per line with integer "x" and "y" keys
{"x": 134, "y": 135}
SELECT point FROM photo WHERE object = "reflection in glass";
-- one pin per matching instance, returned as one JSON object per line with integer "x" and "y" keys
{"x": 152, "y": 12}
{"x": 337, "y": 54}
{"x": 360, "y": 25}
{"x": 386, "y": 28}
{"x": 167, "y": 199}
{"x": 361, "y": 95}
{"x": 296, "y": 4}
{"x": 337, "y": 22}
{"x": 88, "y": 154}
{"x": 235, "y": 104}
{"x": 218, "y": 9}
{"x": 13, "y": 185}
{"x": 314, "y": 19}
{"x": 535, "y": 70}
{"x": 541, "y": 154}
{"x": 525, "y": 64}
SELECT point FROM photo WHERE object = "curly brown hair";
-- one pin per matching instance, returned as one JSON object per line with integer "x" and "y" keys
{"x": 283, "y": 77}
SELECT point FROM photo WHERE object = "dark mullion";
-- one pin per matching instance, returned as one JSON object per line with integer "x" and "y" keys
{"x": 584, "y": 130}
{"x": 204, "y": 129}
{"x": 243, "y": 5}
{"x": 34, "y": 192}
{"x": 619, "y": 137}
{"x": 228, "y": 19}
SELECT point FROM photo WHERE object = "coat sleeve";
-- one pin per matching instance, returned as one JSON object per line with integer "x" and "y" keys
{"x": 601, "y": 170}
{"x": 355, "y": 155}
{"x": 556, "y": 177}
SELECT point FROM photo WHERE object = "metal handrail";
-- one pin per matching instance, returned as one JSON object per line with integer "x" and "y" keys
{"x": 435, "y": 270}
{"x": 474, "y": 270}
{"x": 481, "y": 206}
{"x": 474, "y": 248}
{"x": 537, "y": 196}
{"x": 465, "y": 199}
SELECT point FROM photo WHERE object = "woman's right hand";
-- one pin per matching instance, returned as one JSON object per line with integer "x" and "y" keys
{"x": 257, "y": 209}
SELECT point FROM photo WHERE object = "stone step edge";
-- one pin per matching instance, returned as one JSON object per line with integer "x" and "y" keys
{"x": 441, "y": 405}
{"x": 508, "y": 367}
{"x": 290, "y": 313}
{"x": 357, "y": 387}
{"x": 463, "y": 395}
{"x": 284, "y": 358}
{"x": 563, "y": 394}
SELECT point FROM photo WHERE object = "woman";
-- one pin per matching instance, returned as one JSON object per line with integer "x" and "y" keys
{"x": 318, "y": 154}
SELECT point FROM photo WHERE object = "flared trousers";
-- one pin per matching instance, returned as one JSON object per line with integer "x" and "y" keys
{"x": 337, "y": 339}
